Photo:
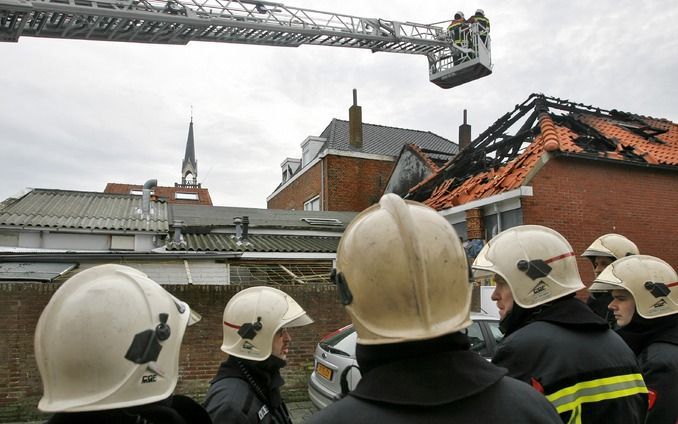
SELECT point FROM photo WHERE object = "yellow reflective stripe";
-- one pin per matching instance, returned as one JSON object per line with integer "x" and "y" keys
{"x": 569, "y": 398}
{"x": 575, "y": 417}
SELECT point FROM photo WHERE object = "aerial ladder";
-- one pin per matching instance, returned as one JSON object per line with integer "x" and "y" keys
{"x": 246, "y": 22}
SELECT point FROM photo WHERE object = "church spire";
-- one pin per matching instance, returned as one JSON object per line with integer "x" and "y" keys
{"x": 189, "y": 166}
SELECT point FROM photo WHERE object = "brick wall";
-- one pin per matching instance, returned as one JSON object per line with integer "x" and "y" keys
{"x": 22, "y": 303}
{"x": 351, "y": 184}
{"x": 584, "y": 199}
{"x": 302, "y": 189}
{"x": 354, "y": 183}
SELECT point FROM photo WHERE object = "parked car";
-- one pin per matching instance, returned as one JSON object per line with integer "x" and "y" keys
{"x": 335, "y": 361}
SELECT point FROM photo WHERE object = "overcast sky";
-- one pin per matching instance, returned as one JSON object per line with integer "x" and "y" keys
{"x": 75, "y": 115}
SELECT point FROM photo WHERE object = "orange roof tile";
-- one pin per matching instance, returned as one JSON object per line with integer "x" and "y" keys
{"x": 166, "y": 193}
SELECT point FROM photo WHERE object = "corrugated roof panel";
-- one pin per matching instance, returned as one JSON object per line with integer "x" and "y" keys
{"x": 258, "y": 243}
{"x": 43, "y": 208}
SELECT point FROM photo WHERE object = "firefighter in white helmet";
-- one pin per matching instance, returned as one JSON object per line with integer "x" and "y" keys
{"x": 246, "y": 388}
{"x": 457, "y": 27}
{"x": 552, "y": 340}
{"x": 602, "y": 252}
{"x": 483, "y": 24}
{"x": 402, "y": 275}
{"x": 645, "y": 304}
{"x": 107, "y": 347}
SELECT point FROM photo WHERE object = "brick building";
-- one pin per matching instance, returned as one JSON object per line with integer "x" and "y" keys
{"x": 580, "y": 170}
{"x": 348, "y": 166}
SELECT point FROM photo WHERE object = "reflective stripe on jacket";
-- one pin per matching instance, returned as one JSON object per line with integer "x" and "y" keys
{"x": 570, "y": 399}
{"x": 588, "y": 375}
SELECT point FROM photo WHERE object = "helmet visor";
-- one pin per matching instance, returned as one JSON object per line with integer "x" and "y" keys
{"x": 299, "y": 322}
{"x": 603, "y": 287}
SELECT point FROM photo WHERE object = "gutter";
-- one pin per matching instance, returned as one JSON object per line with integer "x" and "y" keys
{"x": 75, "y": 256}
{"x": 523, "y": 191}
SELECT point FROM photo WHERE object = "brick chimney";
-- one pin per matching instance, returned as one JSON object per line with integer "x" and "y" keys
{"x": 355, "y": 123}
{"x": 464, "y": 134}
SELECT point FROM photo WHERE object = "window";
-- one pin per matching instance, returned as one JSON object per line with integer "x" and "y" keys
{"x": 323, "y": 221}
{"x": 186, "y": 196}
{"x": 460, "y": 228}
{"x": 313, "y": 204}
{"x": 509, "y": 219}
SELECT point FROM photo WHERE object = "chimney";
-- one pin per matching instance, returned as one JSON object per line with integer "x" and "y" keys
{"x": 355, "y": 123}
{"x": 464, "y": 134}
{"x": 245, "y": 227}
{"x": 178, "y": 224}
{"x": 146, "y": 197}
{"x": 238, "y": 227}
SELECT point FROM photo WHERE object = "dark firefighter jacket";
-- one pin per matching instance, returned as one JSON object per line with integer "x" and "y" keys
{"x": 455, "y": 28}
{"x": 568, "y": 353}
{"x": 435, "y": 387}
{"x": 244, "y": 392}
{"x": 176, "y": 409}
{"x": 657, "y": 347}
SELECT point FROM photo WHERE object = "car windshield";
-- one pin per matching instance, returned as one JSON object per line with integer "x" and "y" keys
{"x": 341, "y": 342}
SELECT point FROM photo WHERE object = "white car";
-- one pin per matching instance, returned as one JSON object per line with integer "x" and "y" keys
{"x": 335, "y": 364}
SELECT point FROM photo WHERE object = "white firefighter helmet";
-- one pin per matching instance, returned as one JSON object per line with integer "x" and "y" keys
{"x": 536, "y": 262}
{"x": 109, "y": 338}
{"x": 459, "y": 15}
{"x": 402, "y": 274}
{"x": 253, "y": 316}
{"x": 611, "y": 245}
{"x": 652, "y": 282}
{"x": 480, "y": 12}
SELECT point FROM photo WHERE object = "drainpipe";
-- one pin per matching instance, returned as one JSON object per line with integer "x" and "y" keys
{"x": 496, "y": 210}
{"x": 245, "y": 227}
{"x": 238, "y": 227}
{"x": 178, "y": 224}
{"x": 146, "y": 196}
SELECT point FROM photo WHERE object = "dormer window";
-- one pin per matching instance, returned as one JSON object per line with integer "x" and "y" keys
{"x": 310, "y": 149}
{"x": 289, "y": 167}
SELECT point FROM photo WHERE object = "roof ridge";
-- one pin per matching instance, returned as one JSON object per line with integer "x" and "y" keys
{"x": 399, "y": 128}
{"x": 56, "y": 190}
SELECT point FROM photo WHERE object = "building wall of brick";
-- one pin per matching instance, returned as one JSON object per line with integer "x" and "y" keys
{"x": 22, "y": 303}
{"x": 584, "y": 199}
{"x": 304, "y": 188}
{"x": 353, "y": 184}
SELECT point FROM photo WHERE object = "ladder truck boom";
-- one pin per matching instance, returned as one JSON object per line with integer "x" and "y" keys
{"x": 245, "y": 22}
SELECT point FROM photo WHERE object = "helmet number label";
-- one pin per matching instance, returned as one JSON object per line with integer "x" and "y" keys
{"x": 153, "y": 378}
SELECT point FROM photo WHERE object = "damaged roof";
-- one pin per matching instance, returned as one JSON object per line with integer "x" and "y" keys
{"x": 505, "y": 156}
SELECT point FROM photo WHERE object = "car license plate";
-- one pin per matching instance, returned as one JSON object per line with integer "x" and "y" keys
{"x": 323, "y": 371}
